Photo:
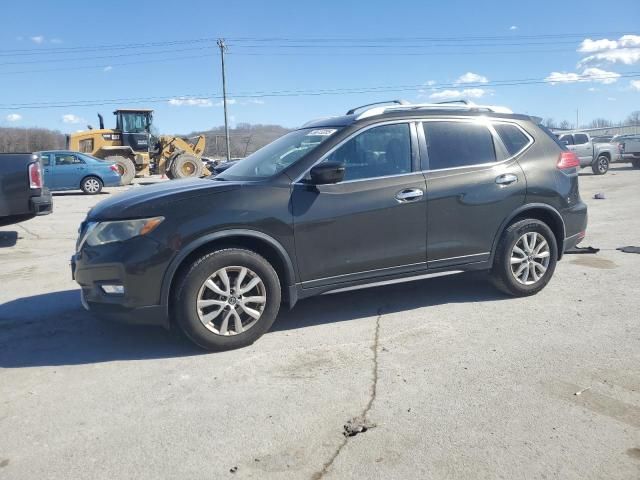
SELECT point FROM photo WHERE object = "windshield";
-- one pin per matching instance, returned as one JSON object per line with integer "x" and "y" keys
{"x": 135, "y": 122}
{"x": 276, "y": 156}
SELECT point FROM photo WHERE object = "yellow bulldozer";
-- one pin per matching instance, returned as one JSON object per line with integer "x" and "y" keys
{"x": 136, "y": 152}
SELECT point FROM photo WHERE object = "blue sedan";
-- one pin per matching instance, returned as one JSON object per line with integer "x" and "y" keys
{"x": 65, "y": 170}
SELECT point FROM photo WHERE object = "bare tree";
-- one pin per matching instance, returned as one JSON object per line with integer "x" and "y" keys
{"x": 565, "y": 125}
{"x": 600, "y": 123}
{"x": 633, "y": 118}
{"x": 550, "y": 123}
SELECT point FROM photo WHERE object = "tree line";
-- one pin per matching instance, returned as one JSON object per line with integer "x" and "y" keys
{"x": 633, "y": 119}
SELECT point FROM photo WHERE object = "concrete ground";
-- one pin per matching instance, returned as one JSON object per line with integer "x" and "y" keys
{"x": 453, "y": 379}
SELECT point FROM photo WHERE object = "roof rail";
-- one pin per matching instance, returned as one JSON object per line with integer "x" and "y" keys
{"x": 397, "y": 102}
{"x": 463, "y": 105}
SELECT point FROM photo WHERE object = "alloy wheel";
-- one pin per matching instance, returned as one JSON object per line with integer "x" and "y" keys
{"x": 231, "y": 301}
{"x": 530, "y": 258}
{"x": 603, "y": 164}
{"x": 92, "y": 185}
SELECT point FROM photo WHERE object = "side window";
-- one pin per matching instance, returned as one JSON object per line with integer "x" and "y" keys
{"x": 46, "y": 159}
{"x": 377, "y": 152}
{"x": 67, "y": 159}
{"x": 566, "y": 139}
{"x": 581, "y": 139}
{"x": 512, "y": 137}
{"x": 458, "y": 144}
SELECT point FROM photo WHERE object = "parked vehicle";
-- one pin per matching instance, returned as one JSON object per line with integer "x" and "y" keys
{"x": 66, "y": 170}
{"x": 384, "y": 193}
{"x": 23, "y": 194}
{"x": 629, "y": 148}
{"x": 598, "y": 155}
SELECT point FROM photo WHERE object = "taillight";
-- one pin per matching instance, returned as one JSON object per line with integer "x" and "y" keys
{"x": 35, "y": 175}
{"x": 114, "y": 168}
{"x": 568, "y": 160}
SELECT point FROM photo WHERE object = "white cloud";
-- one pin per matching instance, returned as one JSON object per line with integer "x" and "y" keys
{"x": 71, "y": 118}
{"x": 455, "y": 94}
{"x": 600, "y": 76}
{"x": 430, "y": 83}
{"x": 591, "y": 74}
{"x": 230, "y": 101}
{"x": 471, "y": 77}
{"x": 56, "y": 41}
{"x": 513, "y": 27}
{"x": 108, "y": 68}
{"x": 37, "y": 39}
{"x": 256, "y": 101}
{"x": 592, "y": 89}
{"x": 13, "y": 117}
{"x": 190, "y": 102}
{"x": 625, "y": 50}
{"x": 635, "y": 84}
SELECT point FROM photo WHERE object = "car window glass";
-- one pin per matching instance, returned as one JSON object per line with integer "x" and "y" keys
{"x": 377, "y": 152}
{"x": 458, "y": 144}
{"x": 46, "y": 159}
{"x": 512, "y": 137}
{"x": 67, "y": 159}
{"x": 581, "y": 139}
{"x": 567, "y": 139}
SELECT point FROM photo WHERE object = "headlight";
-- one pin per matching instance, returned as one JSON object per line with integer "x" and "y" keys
{"x": 102, "y": 233}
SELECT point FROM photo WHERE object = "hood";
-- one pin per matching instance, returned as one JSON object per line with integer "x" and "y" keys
{"x": 151, "y": 200}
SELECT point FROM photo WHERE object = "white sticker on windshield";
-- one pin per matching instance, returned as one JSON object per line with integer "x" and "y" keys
{"x": 325, "y": 132}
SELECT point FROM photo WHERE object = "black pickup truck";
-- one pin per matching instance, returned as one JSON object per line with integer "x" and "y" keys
{"x": 22, "y": 191}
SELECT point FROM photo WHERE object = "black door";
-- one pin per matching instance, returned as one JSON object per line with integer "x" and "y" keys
{"x": 370, "y": 223}
{"x": 472, "y": 187}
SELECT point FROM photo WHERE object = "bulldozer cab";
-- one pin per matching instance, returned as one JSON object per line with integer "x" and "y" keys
{"x": 135, "y": 128}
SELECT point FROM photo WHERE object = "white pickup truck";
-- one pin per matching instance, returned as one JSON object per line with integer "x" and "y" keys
{"x": 590, "y": 152}
{"x": 629, "y": 148}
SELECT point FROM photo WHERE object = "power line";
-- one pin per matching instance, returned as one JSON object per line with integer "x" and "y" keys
{"x": 297, "y": 93}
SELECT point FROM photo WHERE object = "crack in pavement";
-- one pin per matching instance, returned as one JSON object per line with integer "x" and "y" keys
{"x": 362, "y": 418}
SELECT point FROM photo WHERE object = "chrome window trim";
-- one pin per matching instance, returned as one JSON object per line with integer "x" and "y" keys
{"x": 297, "y": 181}
{"x": 496, "y": 137}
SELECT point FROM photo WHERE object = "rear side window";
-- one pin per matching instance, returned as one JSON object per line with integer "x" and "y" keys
{"x": 46, "y": 159}
{"x": 512, "y": 137}
{"x": 566, "y": 139}
{"x": 581, "y": 139}
{"x": 458, "y": 144}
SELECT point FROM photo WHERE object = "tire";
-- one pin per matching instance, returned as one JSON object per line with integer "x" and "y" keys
{"x": 635, "y": 162}
{"x": 601, "y": 165}
{"x": 502, "y": 275}
{"x": 186, "y": 165}
{"x": 91, "y": 185}
{"x": 126, "y": 168}
{"x": 204, "y": 325}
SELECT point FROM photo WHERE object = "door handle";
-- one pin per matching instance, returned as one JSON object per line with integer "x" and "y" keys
{"x": 506, "y": 179}
{"x": 409, "y": 195}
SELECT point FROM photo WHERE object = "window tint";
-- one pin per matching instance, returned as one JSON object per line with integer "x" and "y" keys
{"x": 512, "y": 137}
{"x": 581, "y": 138}
{"x": 566, "y": 139}
{"x": 67, "y": 159}
{"x": 46, "y": 159}
{"x": 377, "y": 152}
{"x": 457, "y": 144}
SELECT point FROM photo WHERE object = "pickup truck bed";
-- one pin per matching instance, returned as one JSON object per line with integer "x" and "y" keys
{"x": 22, "y": 191}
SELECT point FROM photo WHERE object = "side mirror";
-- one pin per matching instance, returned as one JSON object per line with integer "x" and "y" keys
{"x": 327, "y": 173}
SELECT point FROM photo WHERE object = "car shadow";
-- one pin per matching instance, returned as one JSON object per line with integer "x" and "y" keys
{"x": 75, "y": 193}
{"x": 53, "y": 329}
{"x": 339, "y": 307}
{"x": 8, "y": 239}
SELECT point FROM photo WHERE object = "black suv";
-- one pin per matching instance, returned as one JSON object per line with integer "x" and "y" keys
{"x": 385, "y": 192}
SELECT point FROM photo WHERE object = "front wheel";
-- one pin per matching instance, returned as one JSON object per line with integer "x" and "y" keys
{"x": 227, "y": 299}
{"x": 601, "y": 165}
{"x": 91, "y": 185}
{"x": 525, "y": 258}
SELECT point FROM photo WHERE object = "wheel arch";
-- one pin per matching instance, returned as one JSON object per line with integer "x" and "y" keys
{"x": 253, "y": 240}
{"x": 540, "y": 211}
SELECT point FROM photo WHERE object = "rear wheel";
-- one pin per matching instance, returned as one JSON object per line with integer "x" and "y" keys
{"x": 186, "y": 165}
{"x": 227, "y": 299}
{"x": 525, "y": 258}
{"x": 601, "y": 165}
{"x": 126, "y": 168}
{"x": 91, "y": 185}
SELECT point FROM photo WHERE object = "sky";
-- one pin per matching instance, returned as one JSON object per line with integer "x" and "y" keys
{"x": 288, "y": 62}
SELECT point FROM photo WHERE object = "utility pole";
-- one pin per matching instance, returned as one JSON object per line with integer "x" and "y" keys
{"x": 223, "y": 47}
{"x": 577, "y": 120}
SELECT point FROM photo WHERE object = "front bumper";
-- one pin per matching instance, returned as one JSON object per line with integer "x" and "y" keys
{"x": 137, "y": 265}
